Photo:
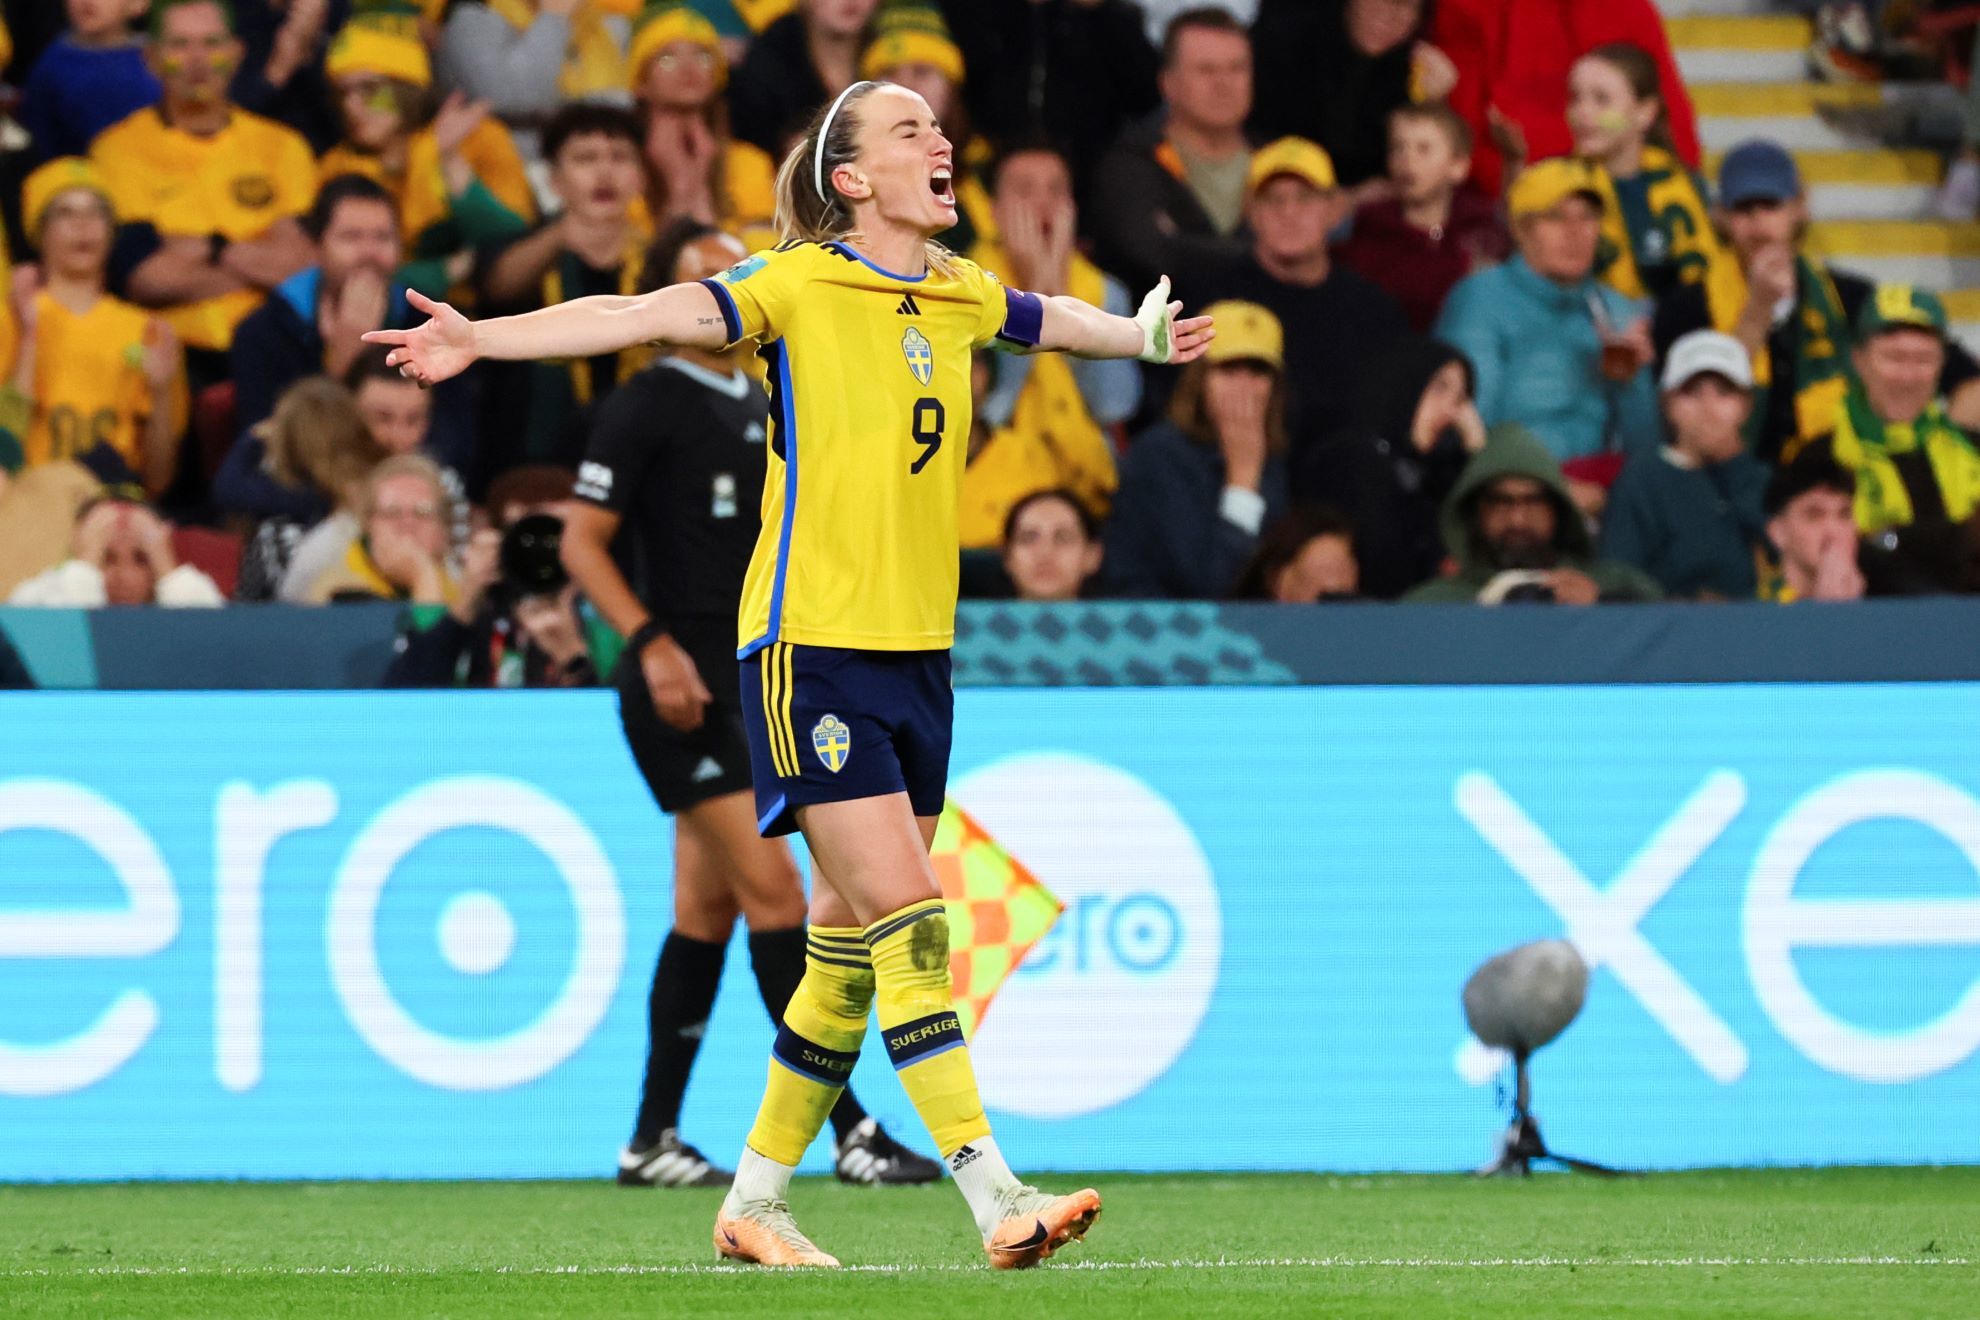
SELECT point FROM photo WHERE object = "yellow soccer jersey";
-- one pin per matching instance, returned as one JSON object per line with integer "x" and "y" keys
{"x": 89, "y": 383}
{"x": 236, "y": 183}
{"x": 870, "y": 410}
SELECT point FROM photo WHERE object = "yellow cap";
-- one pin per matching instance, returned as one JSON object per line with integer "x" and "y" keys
{"x": 58, "y": 176}
{"x": 1295, "y": 156}
{"x": 381, "y": 39}
{"x": 1544, "y": 185}
{"x": 1246, "y": 332}
{"x": 907, "y": 33}
{"x": 663, "y": 23}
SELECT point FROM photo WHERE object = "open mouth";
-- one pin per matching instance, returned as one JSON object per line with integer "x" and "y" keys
{"x": 942, "y": 184}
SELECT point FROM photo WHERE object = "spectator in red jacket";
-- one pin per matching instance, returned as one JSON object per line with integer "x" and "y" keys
{"x": 1435, "y": 230}
{"x": 1513, "y": 58}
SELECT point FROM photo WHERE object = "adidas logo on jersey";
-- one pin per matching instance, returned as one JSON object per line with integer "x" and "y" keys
{"x": 908, "y": 306}
{"x": 707, "y": 770}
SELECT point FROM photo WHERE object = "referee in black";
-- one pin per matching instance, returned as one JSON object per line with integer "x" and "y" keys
{"x": 670, "y": 496}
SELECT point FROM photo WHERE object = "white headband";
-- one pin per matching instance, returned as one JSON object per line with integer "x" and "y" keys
{"x": 824, "y": 132}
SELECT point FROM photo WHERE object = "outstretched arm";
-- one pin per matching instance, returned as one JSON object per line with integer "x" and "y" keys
{"x": 1153, "y": 334}
{"x": 685, "y": 315}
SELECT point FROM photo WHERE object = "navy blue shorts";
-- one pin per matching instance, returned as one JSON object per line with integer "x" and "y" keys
{"x": 832, "y": 725}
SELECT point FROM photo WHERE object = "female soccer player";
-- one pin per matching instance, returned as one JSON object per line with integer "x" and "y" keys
{"x": 675, "y": 467}
{"x": 848, "y": 610}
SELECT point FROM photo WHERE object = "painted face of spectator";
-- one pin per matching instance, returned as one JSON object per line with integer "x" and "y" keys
{"x": 410, "y": 506}
{"x": 929, "y": 82}
{"x": 1604, "y": 113}
{"x": 1437, "y": 411}
{"x": 680, "y": 76}
{"x": 194, "y": 55}
{"x": 839, "y": 18}
{"x": 1706, "y": 414}
{"x": 75, "y": 235}
{"x": 362, "y": 235}
{"x": 373, "y": 110}
{"x": 1900, "y": 372}
{"x": 1324, "y": 566}
{"x": 100, "y": 20}
{"x": 1377, "y": 27}
{"x": 1560, "y": 244}
{"x": 1759, "y": 225}
{"x": 396, "y": 412}
{"x": 1290, "y": 218}
{"x": 1034, "y": 180}
{"x": 1208, "y": 84}
{"x": 1516, "y": 522}
{"x": 1049, "y": 554}
{"x": 1814, "y": 525}
{"x": 1423, "y": 164}
{"x": 597, "y": 175}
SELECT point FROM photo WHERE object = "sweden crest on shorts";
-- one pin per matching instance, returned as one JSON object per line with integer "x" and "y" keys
{"x": 833, "y": 741}
{"x": 920, "y": 354}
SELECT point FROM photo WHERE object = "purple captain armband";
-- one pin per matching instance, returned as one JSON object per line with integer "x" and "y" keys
{"x": 1024, "y": 318}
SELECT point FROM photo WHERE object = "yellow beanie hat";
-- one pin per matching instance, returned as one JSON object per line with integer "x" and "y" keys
{"x": 58, "y": 176}
{"x": 666, "y": 21}
{"x": 910, "y": 33}
{"x": 381, "y": 38}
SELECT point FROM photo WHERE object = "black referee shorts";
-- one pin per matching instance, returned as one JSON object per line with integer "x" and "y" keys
{"x": 686, "y": 769}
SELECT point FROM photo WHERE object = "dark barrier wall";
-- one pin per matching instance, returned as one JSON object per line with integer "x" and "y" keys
{"x": 1138, "y": 643}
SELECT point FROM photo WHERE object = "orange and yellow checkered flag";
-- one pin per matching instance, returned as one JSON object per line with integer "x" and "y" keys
{"x": 997, "y": 911}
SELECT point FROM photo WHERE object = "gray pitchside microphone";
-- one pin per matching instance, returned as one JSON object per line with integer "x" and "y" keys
{"x": 1519, "y": 1001}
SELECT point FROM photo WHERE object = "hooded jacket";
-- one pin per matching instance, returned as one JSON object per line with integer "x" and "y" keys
{"x": 1373, "y": 472}
{"x": 1511, "y": 451}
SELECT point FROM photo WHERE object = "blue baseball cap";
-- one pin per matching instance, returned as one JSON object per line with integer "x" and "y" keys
{"x": 1758, "y": 171}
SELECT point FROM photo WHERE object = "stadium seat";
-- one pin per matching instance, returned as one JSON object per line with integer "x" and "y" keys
{"x": 214, "y": 553}
{"x": 213, "y": 428}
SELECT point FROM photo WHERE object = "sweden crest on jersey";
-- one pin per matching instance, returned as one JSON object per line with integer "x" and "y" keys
{"x": 920, "y": 354}
{"x": 832, "y": 740}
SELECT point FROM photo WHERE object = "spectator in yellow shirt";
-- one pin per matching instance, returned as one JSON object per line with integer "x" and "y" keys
{"x": 206, "y": 193}
{"x": 94, "y": 369}
{"x": 698, "y": 170}
{"x": 1048, "y": 414}
{"x": 456, "y": 174}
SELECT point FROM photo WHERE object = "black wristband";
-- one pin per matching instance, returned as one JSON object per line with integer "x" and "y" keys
{"x": 644, "y": 635}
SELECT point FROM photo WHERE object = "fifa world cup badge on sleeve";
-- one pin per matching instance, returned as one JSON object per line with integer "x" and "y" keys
{"x": 832, "y": 740}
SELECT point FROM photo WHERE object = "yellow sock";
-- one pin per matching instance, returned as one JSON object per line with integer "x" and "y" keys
{"x": 817, "y": 1043}
{"x": 918, "y": 1018}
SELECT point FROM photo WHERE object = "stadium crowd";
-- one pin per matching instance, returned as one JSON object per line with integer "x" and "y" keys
{"x": 1485, "y": 331}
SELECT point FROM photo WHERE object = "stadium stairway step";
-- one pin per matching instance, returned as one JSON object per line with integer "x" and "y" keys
{"x": 1746, "y": 64}
{"x": 1765, "y": 48}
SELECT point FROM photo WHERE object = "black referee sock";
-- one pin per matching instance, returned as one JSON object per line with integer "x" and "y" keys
{"x": 777, "y": 958}
{"x": 677, "y": 1008}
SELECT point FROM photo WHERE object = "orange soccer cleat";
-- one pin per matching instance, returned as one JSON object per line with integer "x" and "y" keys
{"x": 763, "y": 1233}
{"x": 1036, "y": 1224}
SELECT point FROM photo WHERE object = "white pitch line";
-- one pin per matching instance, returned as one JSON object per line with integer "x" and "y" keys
{"x": 1102, "y": 1266}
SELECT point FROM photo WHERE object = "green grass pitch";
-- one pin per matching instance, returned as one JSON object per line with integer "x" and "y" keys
{"x": 1842, "y": 1242}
